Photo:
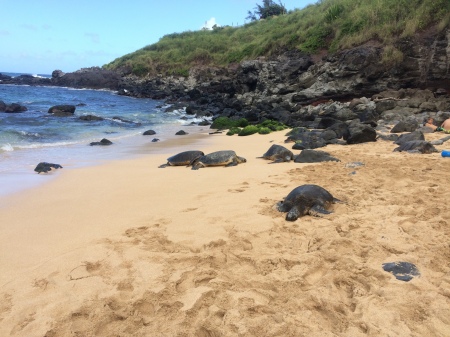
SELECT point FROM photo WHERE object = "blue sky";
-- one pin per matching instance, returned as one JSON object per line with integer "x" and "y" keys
{"x": 39, "y": 36}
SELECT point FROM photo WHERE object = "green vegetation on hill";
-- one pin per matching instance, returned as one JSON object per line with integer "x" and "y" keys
{"x": 329, "y": 25}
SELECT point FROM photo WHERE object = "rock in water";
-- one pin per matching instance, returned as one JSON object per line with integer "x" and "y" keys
{"x": 104, "y": 141}
{"x": 46, "y": 167}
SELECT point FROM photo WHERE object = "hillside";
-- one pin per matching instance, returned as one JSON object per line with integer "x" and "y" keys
{"x": 326, "y": 27}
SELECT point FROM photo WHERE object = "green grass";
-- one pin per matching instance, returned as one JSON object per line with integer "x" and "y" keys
{"x": 328, "y": 25}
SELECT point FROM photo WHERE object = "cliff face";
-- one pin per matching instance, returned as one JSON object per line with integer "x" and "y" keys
{"x": 297, "y": 78}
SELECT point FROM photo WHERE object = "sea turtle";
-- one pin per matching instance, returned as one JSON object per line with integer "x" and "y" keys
{"x": 46, "y": 167}
{"x": 314, "y": 156}
{"x": 278, "y": 154}
{"x": 219, "y": 158}
{"x": 306, "y": 199}
{"x": 183, "y": 158}
{"x": 417, "y": 146}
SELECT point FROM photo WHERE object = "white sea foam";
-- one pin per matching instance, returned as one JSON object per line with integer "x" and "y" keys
{"x": 7, "y": 147}
{"x": 44, "y": 145}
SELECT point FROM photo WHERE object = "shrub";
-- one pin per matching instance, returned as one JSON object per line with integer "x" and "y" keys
{"x": 223, "y": 123}
{"x": 333, "y": 12}
{"x": 273, "y": 125}
{"x": 264, "y": 130}
{"x": 233, "y": 131}
{"x": 248, "y": 130}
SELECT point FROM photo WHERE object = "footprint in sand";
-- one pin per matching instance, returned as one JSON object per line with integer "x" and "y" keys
{"x": 5, "y": 304}
{"x": 245, "y": 185}
{"x": 189, "y": 209}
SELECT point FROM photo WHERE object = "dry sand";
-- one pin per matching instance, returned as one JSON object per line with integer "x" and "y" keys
{"x": 129, "y": 249}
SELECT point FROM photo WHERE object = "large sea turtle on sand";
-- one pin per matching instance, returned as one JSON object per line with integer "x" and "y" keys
{"x": 306, "y": 199}
{"x": 278, "y": 154}
{"x": 183, "y": 158}
{"x": 219, "y": 158}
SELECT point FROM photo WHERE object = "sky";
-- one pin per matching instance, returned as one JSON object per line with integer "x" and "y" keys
{"x": 39, "y": 36}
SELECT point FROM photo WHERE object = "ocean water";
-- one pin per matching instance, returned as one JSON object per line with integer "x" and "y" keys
{"x": 30, "y": 137}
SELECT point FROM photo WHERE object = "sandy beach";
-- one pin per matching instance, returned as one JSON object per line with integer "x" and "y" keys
{"x": 130, "y": 249}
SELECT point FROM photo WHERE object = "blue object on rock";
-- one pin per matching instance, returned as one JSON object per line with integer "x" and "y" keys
{"x": 445, "y": 153}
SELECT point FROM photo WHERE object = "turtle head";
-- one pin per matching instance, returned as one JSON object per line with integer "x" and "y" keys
{"x": 295, "y": 212}
{"x": 241, "y": 159}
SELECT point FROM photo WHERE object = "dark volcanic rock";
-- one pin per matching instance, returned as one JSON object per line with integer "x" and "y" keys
{"x": 403, "y": 271}
{"x": 104, "y": 141}
{"x": 309, "y": 140}
{"x": 181, "y": 133}
{"x": 149, "y": 133}
{"x": 57, "y": 74}
{"x": 405, "y": 126}
{"x": 123, "y": 120}
{"x": 14, "y": 108}
{"x": 94, "y": 78}
{"x": 415, "y": 135}
{"x": 62, "y": 110}
{"x": 46, "y": 167}
{"x": 204, "y": 123}
{"x": 90, "y": 118}
{"x": 360, "y": 133}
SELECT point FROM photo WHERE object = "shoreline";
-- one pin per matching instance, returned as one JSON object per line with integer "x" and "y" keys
{"x": 128, "y": 248}
{"x": 72, "y": 156}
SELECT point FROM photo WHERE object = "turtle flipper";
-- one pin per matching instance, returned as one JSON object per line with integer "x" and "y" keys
{"x": 233, "y": 163}
{"x": 337, "y": 201}
{"x": 316, "y": 210}
{"x": 197, "y": 165}
{"x": 278, "y": 160}
{"x": 293, "y": 214}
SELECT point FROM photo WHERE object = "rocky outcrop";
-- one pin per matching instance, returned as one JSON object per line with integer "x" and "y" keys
{"x": 24, "y": 80}
{"x": 93, "y": 78}
{"x": 12, "y": 108}
{"x": 288, "y": 88}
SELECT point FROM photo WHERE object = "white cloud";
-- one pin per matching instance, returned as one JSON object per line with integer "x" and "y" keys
{"x": 210, "y": 23}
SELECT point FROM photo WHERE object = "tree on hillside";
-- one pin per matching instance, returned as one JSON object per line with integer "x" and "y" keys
{"x": 267, "y": 9}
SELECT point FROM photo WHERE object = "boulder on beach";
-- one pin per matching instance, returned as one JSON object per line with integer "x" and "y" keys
{"x": 149, "y": 133}
{"x": 44, "y": 167}
{"x": 104, "y": 141}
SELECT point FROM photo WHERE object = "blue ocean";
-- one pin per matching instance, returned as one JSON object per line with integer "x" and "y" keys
{"x": 30, "y": 137}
